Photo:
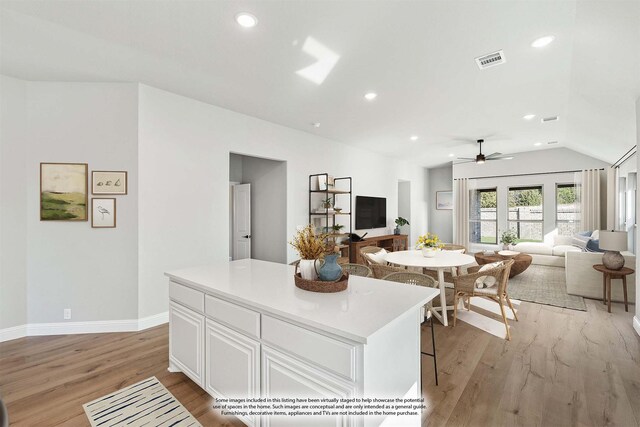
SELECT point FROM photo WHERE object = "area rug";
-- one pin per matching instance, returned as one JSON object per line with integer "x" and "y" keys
{"x": 147, "y": 403}
{"x": 544, "y": 285}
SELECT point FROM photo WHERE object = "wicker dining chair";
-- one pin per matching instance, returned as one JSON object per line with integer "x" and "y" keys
{"x": 368, "y": 250}
{"x": 465, "y": 287}
{"x": 357, "y": 269}
{"x": 380, "y": 271}
{"x": 421, "y": 280}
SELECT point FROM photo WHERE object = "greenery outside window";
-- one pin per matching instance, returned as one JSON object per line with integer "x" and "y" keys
{"x": 483, "y": 216}
{"x": 567, "y": 209}
{"x": 526, "y": 213}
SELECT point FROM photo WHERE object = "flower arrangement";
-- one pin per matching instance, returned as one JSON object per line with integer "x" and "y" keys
{"x": 308, "y": 244}
{"x": 429, "y": 240}
{"x": 508, "y": 237}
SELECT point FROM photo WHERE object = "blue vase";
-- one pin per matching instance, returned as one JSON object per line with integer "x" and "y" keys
{"x": 330, "y": 269}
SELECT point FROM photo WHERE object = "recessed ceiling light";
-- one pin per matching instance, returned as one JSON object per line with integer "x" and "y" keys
{"x": 528, "y": 116}
{"x": 370, "y": 96}
{"x": 538, "y": 144}
{"x": 316, "y": 124}
{"x": 542, "y": 41}
{"x": 450, "y": 154}
{"x": 246, "y": 20}
{"x": 414, "y": 137}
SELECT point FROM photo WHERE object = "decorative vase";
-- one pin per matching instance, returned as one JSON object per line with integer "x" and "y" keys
{"x": 308, "y": 269}
{"x": 429, "y": 252}
{"x": 505, "y": 246}
{"x": 396, "y": 230}
{"x": 330, "y": 270}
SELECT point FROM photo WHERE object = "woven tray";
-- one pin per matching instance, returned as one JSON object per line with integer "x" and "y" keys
{"x": 320, "y": 286}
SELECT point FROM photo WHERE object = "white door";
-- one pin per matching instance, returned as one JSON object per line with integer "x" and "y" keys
{"x": 186, "y": 341}
{"x": 241, "y": 221}
{"x": 232, "y": 365}
{"x": 284, "y": 376}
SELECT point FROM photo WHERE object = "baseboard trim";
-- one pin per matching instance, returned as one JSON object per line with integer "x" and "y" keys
{"x": 91, "y": 327}
{"x": 153, "y": 321}
{"x": 13, "y": 333}
{"x": 636, "y": 324}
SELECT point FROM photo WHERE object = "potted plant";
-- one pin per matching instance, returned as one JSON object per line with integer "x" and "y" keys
{"x": 399, "y": 223}
{"x": 311, "y": 247}
{"x": 327, "y": 203}
{"x": 429, "y": 244}
{"x": 508, "y": 237}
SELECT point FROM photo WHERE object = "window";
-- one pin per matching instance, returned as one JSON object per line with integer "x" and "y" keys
{"x": 567, "y": 209}
{"x": 483, "y": 216}
{"x": 525, "y": 215}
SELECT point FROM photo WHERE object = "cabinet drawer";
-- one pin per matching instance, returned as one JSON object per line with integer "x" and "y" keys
{"x": 233, "y": 315}
{"x": 331, "y": 354}
{"x": 187, "y": 296}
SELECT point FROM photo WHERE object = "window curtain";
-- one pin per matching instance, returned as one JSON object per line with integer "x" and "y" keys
{"x": 461, "y": 212}
{"x": 590, "y": 199}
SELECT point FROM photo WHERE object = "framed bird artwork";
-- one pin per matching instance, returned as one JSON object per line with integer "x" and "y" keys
{"x": 103, "y": 212}
{"x": 109, "y": 182}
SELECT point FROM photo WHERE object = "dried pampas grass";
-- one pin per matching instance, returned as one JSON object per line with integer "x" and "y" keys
{"x": 309, "y": 244}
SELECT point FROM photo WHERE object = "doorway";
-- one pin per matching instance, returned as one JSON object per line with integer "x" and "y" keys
{"x": 257, "y": 208}
{"x": 404, "y": 204}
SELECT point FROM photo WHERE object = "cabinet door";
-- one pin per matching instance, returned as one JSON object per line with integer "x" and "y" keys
{"x": 232, "y": 364}
{"x": 286, "y": 377}
{"x": 186, "y": 338}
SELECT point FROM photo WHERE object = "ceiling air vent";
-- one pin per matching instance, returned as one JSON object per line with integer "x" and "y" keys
{"x": 550, "y": 119}
{"x": 552, "y": 142}
{"x": 495, "y": 58}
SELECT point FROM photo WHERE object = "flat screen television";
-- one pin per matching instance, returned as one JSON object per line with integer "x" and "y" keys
{"x": 371, "y": 212}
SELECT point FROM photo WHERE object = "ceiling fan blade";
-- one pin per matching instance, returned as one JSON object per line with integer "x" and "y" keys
{"x": 500, "y": 158}
{"x": 493, "y": 155}
{"x": 466, "y": 161}
{"x": 467, "y": 158}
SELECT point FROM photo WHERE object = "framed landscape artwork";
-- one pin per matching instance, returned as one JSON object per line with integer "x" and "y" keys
{"x": 444, "y": 200}
{"x": 103, "y": 212}
{"x": 109, "y": 182}
{"x": 63, "y": 192}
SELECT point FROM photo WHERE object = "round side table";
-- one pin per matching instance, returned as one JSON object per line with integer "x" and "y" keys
{"x": 607, "y": 276}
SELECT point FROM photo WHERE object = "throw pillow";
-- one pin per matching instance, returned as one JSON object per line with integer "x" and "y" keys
{"x": 595, "y": 235}
{"x": 593, "y": 246}
{"x": 580, "y": 241}
{"x": 483, "y": 282}
{"x": 379, "y": 257}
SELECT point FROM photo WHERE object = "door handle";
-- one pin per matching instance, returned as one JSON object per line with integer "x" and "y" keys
{"x": 248, "y": 236}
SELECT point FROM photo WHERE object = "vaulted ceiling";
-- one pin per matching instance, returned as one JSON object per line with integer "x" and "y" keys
{"x": 418, "y": 56}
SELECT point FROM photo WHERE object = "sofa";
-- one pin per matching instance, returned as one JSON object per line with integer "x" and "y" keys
{"x": 546, "y": 253}
{"x": 581, "y": 278}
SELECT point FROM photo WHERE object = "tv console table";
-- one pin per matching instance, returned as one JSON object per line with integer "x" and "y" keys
{"x": 390, "y": 242}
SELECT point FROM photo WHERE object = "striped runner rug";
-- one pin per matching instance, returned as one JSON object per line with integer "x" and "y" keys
{"x": 147, "y": 403}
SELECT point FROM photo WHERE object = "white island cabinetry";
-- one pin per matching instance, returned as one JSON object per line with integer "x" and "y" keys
{"x": 242, "y": 329}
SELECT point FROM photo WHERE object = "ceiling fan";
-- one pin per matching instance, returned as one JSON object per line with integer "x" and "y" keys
{"x": 481, "y": 158}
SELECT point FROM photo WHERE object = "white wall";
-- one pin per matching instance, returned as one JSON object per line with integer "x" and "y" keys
{"x": 71, "y": 265}
{"x": 440, "y": 221}
{"x": 404, "y": 205}
{"x": 636, "y": 320}
{"x": 13, "y": 203}
{"x": 184, "y": 148}
{"x": 268, "y": 179}
{"x": 540, "y": 164}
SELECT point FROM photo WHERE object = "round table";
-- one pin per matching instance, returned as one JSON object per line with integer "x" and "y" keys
{"x": 607, "y": 276}
{"x": 443, "y": 260}
{"x": 520, "y": 264}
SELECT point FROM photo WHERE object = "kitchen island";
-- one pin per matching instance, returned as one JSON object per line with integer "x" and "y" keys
{"x": 242, "y": 329}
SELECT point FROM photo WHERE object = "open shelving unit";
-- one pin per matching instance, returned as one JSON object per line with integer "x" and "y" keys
{"x": 339, "y": 191}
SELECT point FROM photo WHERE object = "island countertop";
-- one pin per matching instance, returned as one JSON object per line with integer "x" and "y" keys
{"x": 357, "y": 313}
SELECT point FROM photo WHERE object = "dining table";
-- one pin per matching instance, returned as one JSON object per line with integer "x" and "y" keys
{"x": 441, "y": 261}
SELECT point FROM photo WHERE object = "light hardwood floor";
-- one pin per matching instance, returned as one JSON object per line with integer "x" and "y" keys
{"x": 562, "y": 368}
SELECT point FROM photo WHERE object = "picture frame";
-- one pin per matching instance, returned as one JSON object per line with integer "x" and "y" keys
{"x": 322, "y": 182}
{"x": 103, "y": 212}
{"x": 63, "y": 191}
{"x": 444, "y": 200}
{"x": 109, "y": 182}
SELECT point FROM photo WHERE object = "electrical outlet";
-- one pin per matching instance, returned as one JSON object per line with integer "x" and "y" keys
{"x": 67, "y": 313}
